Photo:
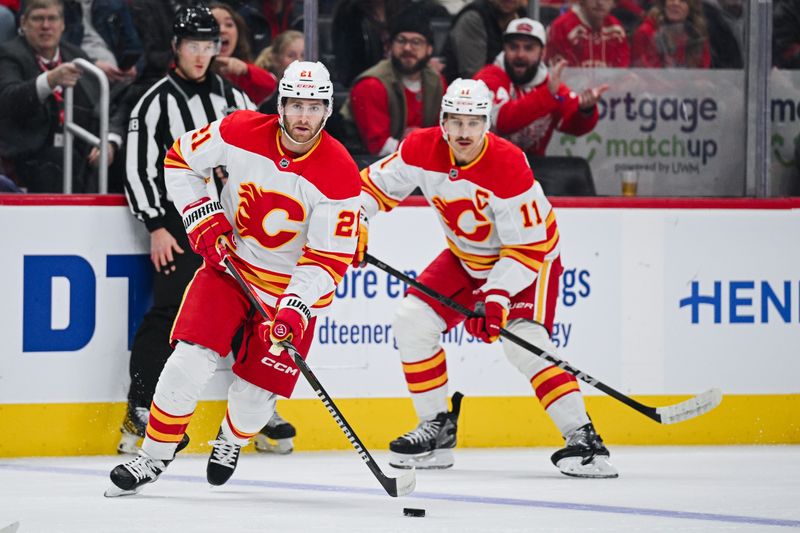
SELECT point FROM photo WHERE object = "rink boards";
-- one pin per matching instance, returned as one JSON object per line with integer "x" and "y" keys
{"x": 661, "y": 299}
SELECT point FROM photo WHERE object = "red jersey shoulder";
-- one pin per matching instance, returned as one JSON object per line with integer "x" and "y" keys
{"x": 331, "y": 169}
{"x": 503, "y": 169}
{"x": 427, "y": 149}
{"x": 251, "y": 131}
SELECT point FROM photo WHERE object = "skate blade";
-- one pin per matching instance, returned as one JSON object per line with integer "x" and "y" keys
{"x": 279, "y": 446}
{"x": 598, "y": 468}
{"x": 114, "y": 492}
{"x": 435, "y": 460}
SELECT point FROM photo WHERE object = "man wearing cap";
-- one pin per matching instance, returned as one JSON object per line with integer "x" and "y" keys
{"x": 530, "y": 101}
{"x": 400, "y": 93}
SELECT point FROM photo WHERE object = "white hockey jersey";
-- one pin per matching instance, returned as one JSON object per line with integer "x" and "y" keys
{"x": 294, "y": 218}
{"x": 495, "y": 216}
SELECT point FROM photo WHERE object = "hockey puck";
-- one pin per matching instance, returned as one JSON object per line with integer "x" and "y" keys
{"x": 410, "y": 511}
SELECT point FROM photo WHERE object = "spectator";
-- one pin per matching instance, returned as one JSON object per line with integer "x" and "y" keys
{"x": 530, "y": 101}
{"x": 786, "y": 34}
{"x": 35, "y": 68}
{"x": 589, "y": 36}
{"x": 8, "y": 20}
{"x": 104, "y": 29}
{"x": 477, "y": 36}
{"x": 235, "y": 62}
{"x": 360, "y": 35}
{"x": 725, "y": 26}
{"x": 286, "y": 48}
{"x": 401, "y": 93}
{"x": 153, "y": 21}
{"x": 672, "y": 35}
{"x": 268, "y": 18}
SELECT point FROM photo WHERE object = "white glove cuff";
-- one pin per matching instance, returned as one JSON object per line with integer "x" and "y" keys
{"x": 295, "y": 303}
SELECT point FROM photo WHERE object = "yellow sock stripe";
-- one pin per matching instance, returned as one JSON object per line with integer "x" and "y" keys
{"x": 163, "y": 437}
{"x": 544, "y": 375}
{"x": 428, "y": 385}
{"x": 164, "y": 418}
{"x": 436, "y": 360}
{"x": 559, "y": 391}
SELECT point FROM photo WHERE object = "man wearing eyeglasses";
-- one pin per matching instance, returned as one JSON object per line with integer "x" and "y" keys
{"x": 35, "y": 69}
{"x": 401, "y": 93}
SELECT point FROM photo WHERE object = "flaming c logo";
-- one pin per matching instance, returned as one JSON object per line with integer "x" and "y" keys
{"x": 257, "y": 205}
{"x": 453, "y": 211}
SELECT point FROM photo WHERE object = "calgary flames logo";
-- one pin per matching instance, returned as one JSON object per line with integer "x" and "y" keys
{"x": 258, "y": 209}
{"x": 453, "y": 212}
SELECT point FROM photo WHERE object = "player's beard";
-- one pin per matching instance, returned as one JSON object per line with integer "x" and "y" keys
{"x": 525, "y": 77}
{"x": 413, "y": 69}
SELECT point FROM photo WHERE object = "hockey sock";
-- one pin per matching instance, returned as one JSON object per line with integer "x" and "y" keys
{"x": 417, "y": 330}
{"x": 183, "y": 379}
{"x": 249, "y": 409}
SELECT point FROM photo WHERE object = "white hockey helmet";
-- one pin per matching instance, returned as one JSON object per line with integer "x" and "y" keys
{"x": 308, "y": 80}
{"x": 467, "y": 97}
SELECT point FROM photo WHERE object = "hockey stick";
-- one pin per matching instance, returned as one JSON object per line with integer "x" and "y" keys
{"x": 399, "y": 486}
{"x": 670, "y": 414}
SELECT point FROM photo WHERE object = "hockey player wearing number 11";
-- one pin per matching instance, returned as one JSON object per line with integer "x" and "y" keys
{"x": 502, "y": 259}
{"x": 289, "y": 215}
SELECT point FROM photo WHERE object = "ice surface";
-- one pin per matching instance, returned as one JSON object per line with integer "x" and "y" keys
{"x": 660, "y": 489}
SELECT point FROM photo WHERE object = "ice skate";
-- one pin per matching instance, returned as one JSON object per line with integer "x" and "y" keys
{"x": 430, "y": 445}
{"x": 129, "y": 478}
{"x": 585, "y": 455}
{"x": 222, "y": 461}
{"x": 133, "y": 428}
{"x": 276, "y": 437}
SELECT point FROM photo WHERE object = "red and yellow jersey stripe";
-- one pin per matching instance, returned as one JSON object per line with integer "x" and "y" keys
{"x": 174, "y": 158}
{"x": 385, "y": 202}
{"x": 475, "y": 262}
{"x": 533, "y": 255}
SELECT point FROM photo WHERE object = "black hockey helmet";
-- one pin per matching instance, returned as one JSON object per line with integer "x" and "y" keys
{"x": 195, "y": 22}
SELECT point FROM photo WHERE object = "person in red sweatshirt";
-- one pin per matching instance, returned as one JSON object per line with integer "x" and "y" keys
{"x": 672, "y": 35}
{"x": 589, "y": 36}
{"x": 529, "y": 99}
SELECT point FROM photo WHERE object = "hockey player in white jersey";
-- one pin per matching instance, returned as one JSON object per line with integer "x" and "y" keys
{"x": 502, "y": 259}
{"x": 289, "y": 209}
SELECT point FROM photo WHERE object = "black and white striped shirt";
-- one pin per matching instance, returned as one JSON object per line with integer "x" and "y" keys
{"x": 170, "y": 108}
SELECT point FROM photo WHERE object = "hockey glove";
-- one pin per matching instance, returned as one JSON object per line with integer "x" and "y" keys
{"x": 290, "y": 323}
{"x": 359, "y": 258}
{"x": 208, "y": 230}
{"x": 492, "y": 313}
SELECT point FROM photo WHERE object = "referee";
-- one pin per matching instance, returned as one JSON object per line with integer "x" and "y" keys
{"x": 188, "y": 97}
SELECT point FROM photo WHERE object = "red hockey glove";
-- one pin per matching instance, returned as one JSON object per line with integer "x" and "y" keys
{"x": 493, "y": 311}
{"x": 290, "y": 323}
{"x": 208, "y": 230}
{"x": 359, "y": 258}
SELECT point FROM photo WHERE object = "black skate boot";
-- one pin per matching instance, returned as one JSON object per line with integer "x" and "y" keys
{"x": 585, "y": 455}
{"x": 129, "y": 478}
{"x": 276, "y": 436}
{"x": 133, "y": 428}
{"x": 430, "y": 445}
{"x": 222, "y": 461}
